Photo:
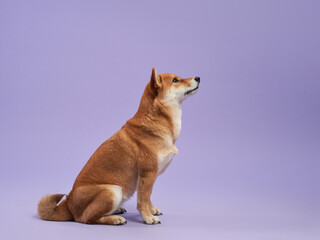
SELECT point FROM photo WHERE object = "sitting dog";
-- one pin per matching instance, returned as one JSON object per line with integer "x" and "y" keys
{"x": 128, "y": 161}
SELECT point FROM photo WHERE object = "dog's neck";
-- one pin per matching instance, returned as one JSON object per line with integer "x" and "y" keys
{"x": 175, "y": 112}
{"x": 167, "y": 115}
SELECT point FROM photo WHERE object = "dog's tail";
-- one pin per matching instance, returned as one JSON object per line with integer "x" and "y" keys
{"x": 49, "y": 210}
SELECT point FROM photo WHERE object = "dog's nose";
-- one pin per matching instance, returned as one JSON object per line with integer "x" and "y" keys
{"x": 197, "y": 79}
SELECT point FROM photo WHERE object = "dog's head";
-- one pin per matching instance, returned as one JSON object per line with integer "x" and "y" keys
{"x": 171, "y": 89}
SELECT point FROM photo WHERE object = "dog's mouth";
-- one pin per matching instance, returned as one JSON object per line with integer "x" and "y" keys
{"x": 192, "y": 90}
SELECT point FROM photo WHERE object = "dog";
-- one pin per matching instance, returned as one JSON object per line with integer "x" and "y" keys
{"x": 128, "y": 161}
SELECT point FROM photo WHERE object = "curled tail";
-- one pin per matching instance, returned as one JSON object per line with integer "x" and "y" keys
{"x": 49, "y": 210}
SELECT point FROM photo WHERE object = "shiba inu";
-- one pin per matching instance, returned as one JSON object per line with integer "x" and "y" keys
{"x": 128, "y": 161}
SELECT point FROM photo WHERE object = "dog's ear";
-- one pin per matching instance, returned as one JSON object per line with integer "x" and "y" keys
{"x": 155, "y": 81}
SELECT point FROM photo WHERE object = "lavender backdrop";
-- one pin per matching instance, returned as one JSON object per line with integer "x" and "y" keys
{"x": 72, "y": 73}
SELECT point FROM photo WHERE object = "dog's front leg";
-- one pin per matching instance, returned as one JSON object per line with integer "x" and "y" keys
{"x": 145, "y": 185}
{"x": 155, "y": 211}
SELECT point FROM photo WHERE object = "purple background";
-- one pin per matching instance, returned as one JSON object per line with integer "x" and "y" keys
{"x": 73, "y": 72}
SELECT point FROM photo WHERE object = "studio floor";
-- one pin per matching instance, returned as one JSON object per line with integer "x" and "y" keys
{"x": 189, "y": 217}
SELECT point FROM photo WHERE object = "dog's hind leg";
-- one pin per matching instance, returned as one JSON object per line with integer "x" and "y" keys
{"x": 105, "y": 202}
{"x": 120, "y": 210}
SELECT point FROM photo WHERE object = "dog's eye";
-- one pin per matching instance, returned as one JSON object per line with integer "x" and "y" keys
{"x": 175, "y": 80}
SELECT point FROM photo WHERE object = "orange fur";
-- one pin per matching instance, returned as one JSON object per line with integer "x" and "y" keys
{"x": 128, "y": 161}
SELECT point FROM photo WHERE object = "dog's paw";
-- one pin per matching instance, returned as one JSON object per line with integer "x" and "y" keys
{"x": 120, "y": 210}
{"x": 111, "y": 220}
{"x": 117, "y": 220}
{"x": 151, "y": 220}
{"x": 155, "y": 211}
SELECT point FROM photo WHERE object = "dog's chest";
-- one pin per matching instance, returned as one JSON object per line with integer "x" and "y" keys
{"x": 168, "y": 150}
{"x": 164, "y": 160}
{"x": 165, "y": 157}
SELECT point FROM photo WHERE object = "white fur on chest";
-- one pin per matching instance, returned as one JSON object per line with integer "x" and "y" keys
{"x": 164, "y": 159}
{"x": 167, "y": 154}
